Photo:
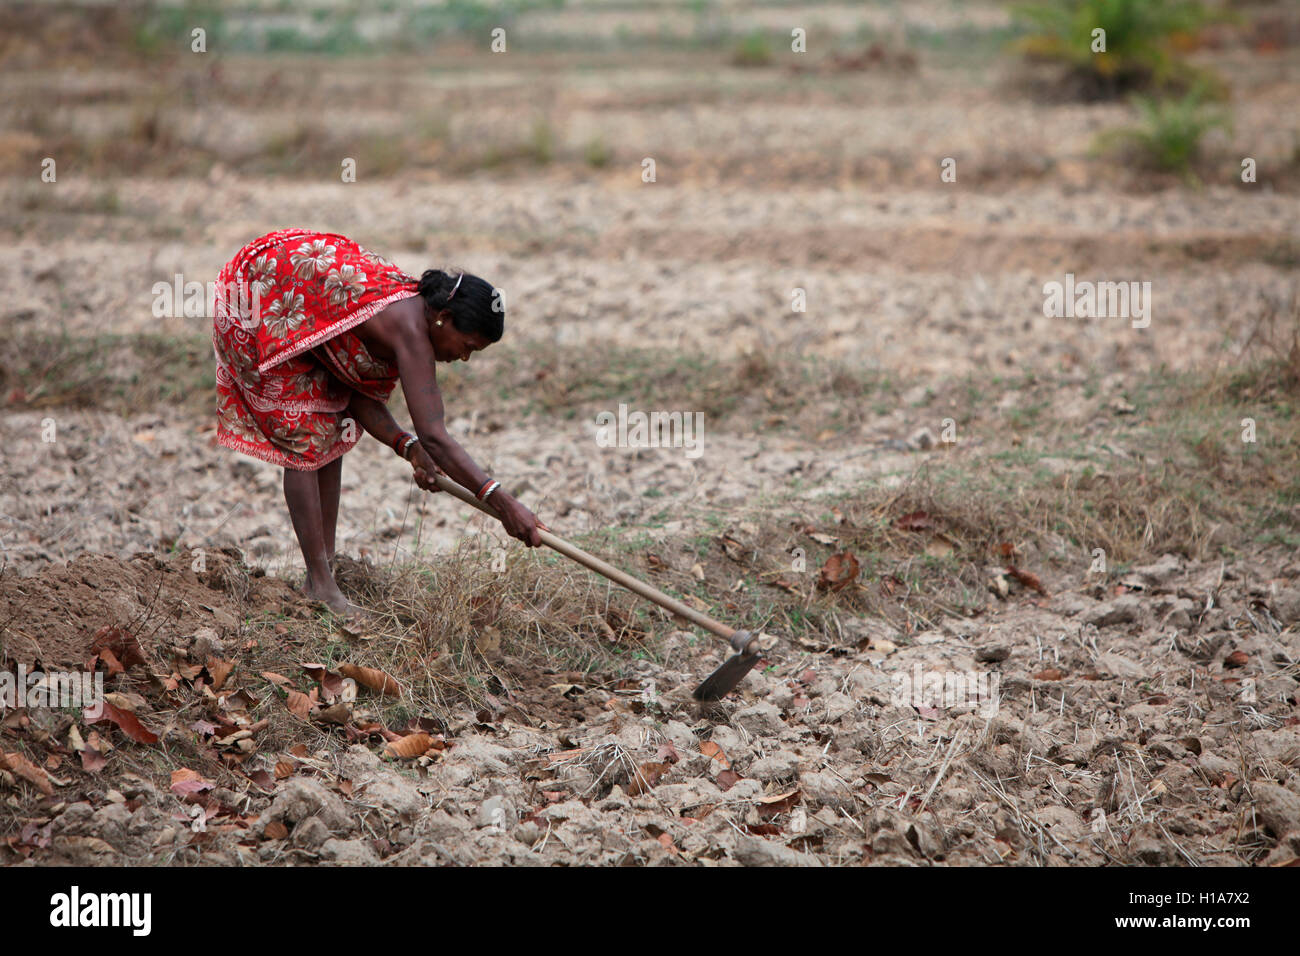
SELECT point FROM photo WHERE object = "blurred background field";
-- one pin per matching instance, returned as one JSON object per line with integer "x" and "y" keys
{"x": 776, "y": 173}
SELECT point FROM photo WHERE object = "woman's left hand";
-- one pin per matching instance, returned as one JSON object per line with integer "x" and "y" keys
{"x": 425, "y": 469}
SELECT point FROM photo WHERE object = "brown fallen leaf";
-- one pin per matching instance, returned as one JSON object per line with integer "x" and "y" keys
{"x": 778, "y": 803}
{"x": 126, "y": 722}
{"x": 220, "y": 670}
{"x": 284, "y": 769}
{"x": 121, "y": 643}
{"x": 646, "y": 777}
{"x": 1026, "y": 578}
{"x": 727, "y": 779}
{"x": 263, "y": 779}
{"x": 187, "y": 782}
{"x": 914, "y": 521}
{"x": 109, "y": 659}
{"x": 1051, "y": 673}
{"x": 412, "y": 745}
{"x": 338, "y": 713}
{"x": 733, "y": 548}
{"x": 1236, "y": 659}
{"x": 19, "y": 765}
{"x": 372, "y": 678}
{"x": 92, "y": 761}
{"x": 714, "y": 752}
{"x": 275, "y": 830}
{"x": 331, "y": 683}
{"x": 299, "y": 704}
{"x": 839, "y": 571}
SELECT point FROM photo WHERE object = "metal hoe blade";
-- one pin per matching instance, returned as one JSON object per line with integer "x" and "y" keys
{"x": 733, "y": 670}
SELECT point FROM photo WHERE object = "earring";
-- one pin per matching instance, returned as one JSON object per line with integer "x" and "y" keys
{"x": 438, "y": 323}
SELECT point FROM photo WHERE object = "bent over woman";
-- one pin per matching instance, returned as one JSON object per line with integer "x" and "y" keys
{"x": 311, "y": 334}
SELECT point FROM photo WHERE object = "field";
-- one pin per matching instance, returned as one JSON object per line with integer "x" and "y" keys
{"x": 1084, "y": 528}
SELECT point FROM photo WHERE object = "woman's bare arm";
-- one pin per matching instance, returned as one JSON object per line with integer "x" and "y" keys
{"x": 375, "y": 418}
{"x": 416, "y": 366}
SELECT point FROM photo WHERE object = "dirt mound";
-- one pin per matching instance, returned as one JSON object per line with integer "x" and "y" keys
{"x": 50, "y": 621}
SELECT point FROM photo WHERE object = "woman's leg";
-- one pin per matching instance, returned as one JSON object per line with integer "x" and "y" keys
{"x": 330, "y": 479}
{"x": 302, "y": 494}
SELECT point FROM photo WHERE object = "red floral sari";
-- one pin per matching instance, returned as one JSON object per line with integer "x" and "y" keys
{"x": 287, "y": 361}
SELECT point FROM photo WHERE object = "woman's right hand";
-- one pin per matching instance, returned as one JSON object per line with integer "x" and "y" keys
{"x": 518, "y": 521}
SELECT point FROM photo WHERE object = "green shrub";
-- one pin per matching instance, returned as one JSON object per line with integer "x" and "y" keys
{"x": 1169, "y": 136}
{"x": 754, "y": 50}
{"x": 1141, "y": 37}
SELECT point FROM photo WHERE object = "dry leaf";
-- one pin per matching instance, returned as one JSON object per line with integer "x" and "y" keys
{"x": 839, "y": 571}
{"x": 714, "y": 752}
{"x": 914, "y": 521}
{"x": 121, "y": 643}
{"x": 220, "y": 670}
{"x": 412, "y": 745}
{"x": 186, "y": 782}
{"x": 125, "y": 721}
{"x": 18, "y": 764}
{"x": 1236, "y": 659}
{"x": 732, "y": 548}
{"x": 331, "y": 683}
{"x": 275, "y": 830}
{"x": 372, "y": 678}
{"x": 92, "y": 761}
{"x": 778, "y": 803}
{"x": 300, "y": 705}
{"x": 646, "y": 777}
{"x": 1029, "y": 580}
{"x": 336, "y": 714}
{"x": 1052, "y": 673}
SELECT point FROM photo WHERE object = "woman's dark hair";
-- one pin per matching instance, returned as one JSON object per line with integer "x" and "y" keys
{"x": 476, "y": 308}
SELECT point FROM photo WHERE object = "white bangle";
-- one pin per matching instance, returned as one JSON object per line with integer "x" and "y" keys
{"x": 406, "y": 447}
{"x": 491, "y": 488}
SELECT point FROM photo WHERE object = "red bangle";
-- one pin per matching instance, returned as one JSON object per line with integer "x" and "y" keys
{"x": 484, "y": 487}
{"x": 401, "y": 437}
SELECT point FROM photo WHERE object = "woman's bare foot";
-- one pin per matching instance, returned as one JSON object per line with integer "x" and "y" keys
{"x": 328, "y": 593}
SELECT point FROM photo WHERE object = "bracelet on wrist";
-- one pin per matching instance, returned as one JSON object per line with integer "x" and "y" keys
{"x": 489, "y": 486}
{"x": 402, "y": 444}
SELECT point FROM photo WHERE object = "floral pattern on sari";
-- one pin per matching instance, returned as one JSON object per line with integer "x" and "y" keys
{"x": 286, "y": 373}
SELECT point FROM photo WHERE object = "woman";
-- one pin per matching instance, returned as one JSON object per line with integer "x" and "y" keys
{"x": 311, "y": 334}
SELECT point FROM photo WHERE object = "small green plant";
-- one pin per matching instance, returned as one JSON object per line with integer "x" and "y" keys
{"x": 542, "y": 144}
{"x": 598, "y": 153}
{"x": 1115, "y": 46}
{"x": 753, "y": 50}
{"x": 1169, "y": 136}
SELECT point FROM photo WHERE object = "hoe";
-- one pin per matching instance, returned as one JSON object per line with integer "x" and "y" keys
{"x": 746, "y": 645}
